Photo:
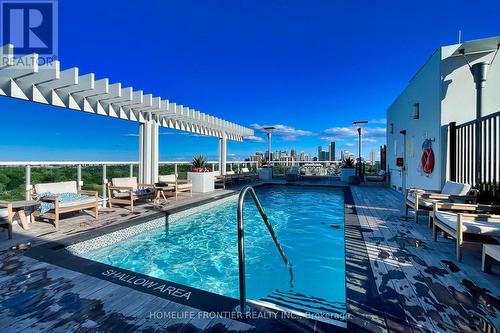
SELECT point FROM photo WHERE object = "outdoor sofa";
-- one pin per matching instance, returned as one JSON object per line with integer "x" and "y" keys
{"x": 458, "y": 220}
{"x": 126, "y": 191}
{"x": 64, "y": 197}
{"x": 422, "y": 200}
{"x": 180, "y": 185}
{"x": 6, "y": 215}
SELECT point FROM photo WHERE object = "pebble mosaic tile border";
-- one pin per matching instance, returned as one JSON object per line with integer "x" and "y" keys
{"x": 120, "y": 235}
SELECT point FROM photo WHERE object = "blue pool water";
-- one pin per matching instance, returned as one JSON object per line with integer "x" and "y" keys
{"x": 201, "y": 251}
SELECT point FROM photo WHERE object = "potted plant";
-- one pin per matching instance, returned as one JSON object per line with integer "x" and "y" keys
{"x": 201, "y": 175}
{"x": 348, "y": 169}
{"x": 265, "y": 172}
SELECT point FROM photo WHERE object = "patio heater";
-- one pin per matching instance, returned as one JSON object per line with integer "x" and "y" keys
{"x": 359, "y": 123}
{"x": 403, "y": 168}
{"x": 268, "y": 130}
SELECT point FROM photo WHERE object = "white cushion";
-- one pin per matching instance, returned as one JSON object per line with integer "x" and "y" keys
{"x": 471, "y": 227}
{"x": 167, "y": 178}
{"x": 88, "y": 200}
{"x": 60, "y": 187}
{"x": 4, "y": 212}
{"x": 245, "y": 170}
{"x": 421, "y": 202}
{"x": 184, "y": 186}
{"x": 230, "y": 173}
{"x": 125, "y": 182}
{"x": 455, "y": 188}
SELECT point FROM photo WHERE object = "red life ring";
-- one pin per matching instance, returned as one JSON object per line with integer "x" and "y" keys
{"x": 427, "y": 160}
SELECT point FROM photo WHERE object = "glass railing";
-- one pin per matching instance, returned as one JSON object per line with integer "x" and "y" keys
{"x": 16, "y": 178}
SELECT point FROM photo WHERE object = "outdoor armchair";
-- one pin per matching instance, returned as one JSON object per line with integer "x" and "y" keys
{"x": 422, "y": 200}
{"x": 458, "y": 220}
{"x": 180, "y": 185}
{"x": 126, "y": 191}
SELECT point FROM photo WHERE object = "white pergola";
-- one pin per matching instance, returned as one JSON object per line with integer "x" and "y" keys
{"x": 23, "y": 78}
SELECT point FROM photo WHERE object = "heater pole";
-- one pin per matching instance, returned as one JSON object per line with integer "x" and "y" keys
{"x": 479, "y": 72}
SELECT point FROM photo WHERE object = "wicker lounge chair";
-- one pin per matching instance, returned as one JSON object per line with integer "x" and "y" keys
{"x": 458, "y": 220}
{"x": 64, "y": 197}
{"x": 180, "y": 185}
{"x": 126, "y": 191}
{"x": 422, "y": 200}
{"x": 6, "y": 215}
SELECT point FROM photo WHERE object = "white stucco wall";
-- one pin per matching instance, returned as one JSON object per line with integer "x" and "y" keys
{"x": 424, "y": 88}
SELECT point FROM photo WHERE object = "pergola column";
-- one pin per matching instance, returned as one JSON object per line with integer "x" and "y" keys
{"x": 222, "y": 153}
{"x": 148, "y": 152}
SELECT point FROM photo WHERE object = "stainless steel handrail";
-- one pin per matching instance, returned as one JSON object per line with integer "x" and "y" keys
{"x": 241, "y": 242}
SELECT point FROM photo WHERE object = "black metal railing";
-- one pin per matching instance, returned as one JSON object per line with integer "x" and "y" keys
{"x": 474, "y": 152}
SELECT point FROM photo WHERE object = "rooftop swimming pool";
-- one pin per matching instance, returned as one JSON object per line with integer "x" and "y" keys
{"x": 198, "y": 248}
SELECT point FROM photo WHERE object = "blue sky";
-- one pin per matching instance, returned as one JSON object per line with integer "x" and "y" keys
{"x": 310, "y": 66}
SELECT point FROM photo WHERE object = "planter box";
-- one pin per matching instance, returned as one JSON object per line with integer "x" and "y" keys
{"x": 265, "y": 173}
{"x": 202, "y": 181}
{"x": 345, "y": 173}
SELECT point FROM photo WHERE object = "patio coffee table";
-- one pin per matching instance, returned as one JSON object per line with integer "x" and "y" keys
{"x": 21, "y": 208}
{"x": 160, "y": 190}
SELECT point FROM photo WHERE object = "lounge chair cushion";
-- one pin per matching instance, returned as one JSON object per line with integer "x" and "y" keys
{"x": 125, "y": 182}
{"x": 245, "y": 170}
{"x": 471, "y": 227}
{"x": 455, "y": 188}
{"x": 56, "y": 188}
{"x": 82, "y": 201}
{"x": 167, "y": 178}
{"x": 184, "y": 186}
{"x": 138, "y": 193}
{"x": 230, "y": 172}
{"x": 421, "y": 202}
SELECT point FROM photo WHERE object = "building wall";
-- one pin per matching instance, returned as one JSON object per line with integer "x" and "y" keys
{"x": 424, "y": 88}
{"x": 459, "y": 90}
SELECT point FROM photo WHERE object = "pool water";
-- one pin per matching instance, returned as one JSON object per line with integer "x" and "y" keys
{"x": 201, "y": 250}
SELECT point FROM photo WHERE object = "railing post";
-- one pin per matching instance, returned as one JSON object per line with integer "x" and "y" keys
{"x": 213, "y": 166}
{"x": 104, "y": 181}
{"x": 452, "y": 129}
{"x": 175, "y": 170}
{"x": 131, "y": 170}
{"x": 28, "y": 182}
{"x": 79, "y": 176}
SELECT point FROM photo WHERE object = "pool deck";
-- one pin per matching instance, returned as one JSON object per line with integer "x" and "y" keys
{"x": 422, "y": 287}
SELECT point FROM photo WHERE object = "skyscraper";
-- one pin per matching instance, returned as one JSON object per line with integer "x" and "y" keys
{"x": 332, "y": 151}
{"x": 320, "y": 153}
{"x": 372, "y": 157}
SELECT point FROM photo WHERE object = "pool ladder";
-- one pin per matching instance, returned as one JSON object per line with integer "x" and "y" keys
{"x": 241, "y": 243}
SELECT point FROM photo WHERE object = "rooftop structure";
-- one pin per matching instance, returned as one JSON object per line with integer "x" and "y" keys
{"x": 442, "y": 92}
{"x": 23, "y": 78}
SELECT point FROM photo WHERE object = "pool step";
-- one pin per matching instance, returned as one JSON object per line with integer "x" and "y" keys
{"x": 303, "y": 303}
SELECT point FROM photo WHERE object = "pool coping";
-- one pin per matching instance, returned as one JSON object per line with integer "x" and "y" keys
{"x": 55, "y": 252}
